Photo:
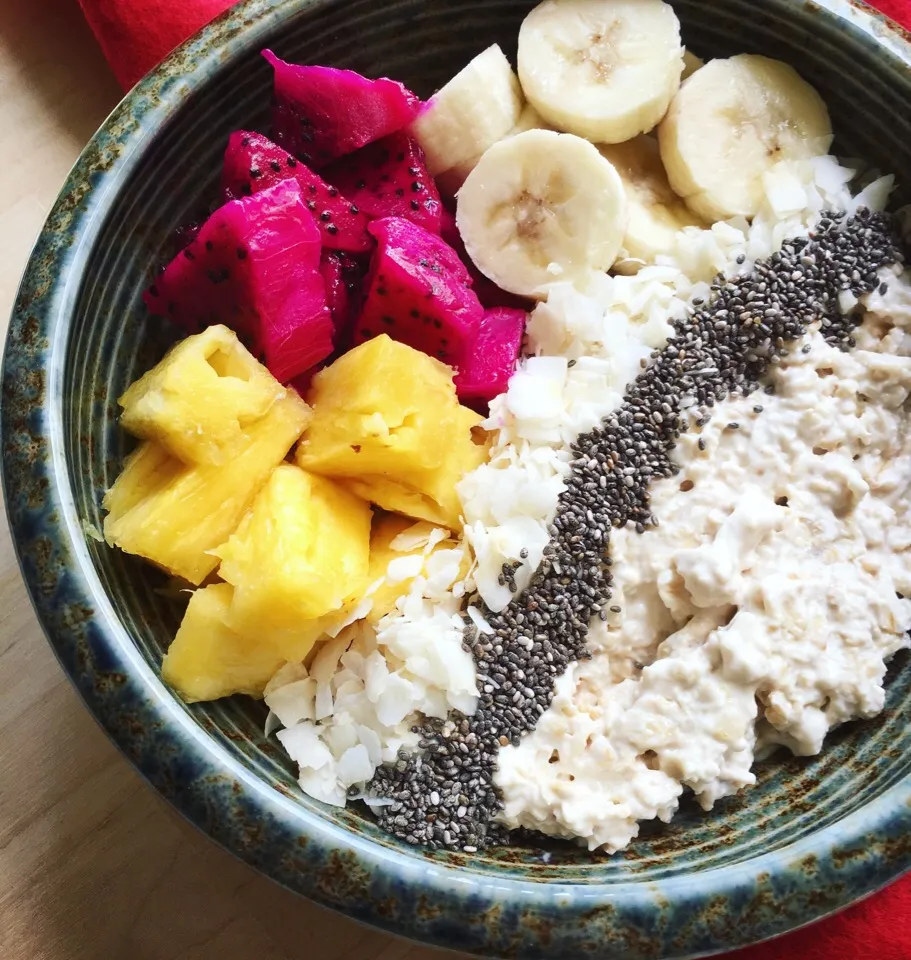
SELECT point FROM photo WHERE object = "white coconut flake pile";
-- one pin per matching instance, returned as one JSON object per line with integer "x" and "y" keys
{"x": 354, "y": 706}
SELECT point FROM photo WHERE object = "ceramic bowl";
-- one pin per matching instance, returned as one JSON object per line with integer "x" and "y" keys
{"x": 812, "y": 836}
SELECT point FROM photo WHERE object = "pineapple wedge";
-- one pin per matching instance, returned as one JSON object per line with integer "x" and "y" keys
{"x": 300, "y": 553}
{"x": 208, "y": 660}
{"x": 175, "y": 514}
{"x": 200, "y": 399}
{"x": 386, "y": 418}
{"x": 377, "y": 410}
{"x": 430, "y": 495}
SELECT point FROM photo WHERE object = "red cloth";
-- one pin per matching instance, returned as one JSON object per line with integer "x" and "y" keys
{"x": 899, "y": 10}
{"x": 135, "y": 35}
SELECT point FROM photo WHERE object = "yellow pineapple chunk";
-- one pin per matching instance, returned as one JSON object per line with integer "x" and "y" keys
{"x": 386, "y": 417}
{"x": 208, "y": 660}
{"x": 175, "y": 514}
{"x": 200, "y": 399}
{"x": 430, "y": 495}
{"x": 300, "y": 553}
{"x": 377, "y": 409}
{"x": 402, "y": 497}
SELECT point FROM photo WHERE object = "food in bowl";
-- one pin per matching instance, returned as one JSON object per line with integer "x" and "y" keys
{"x": 543, "y": 512}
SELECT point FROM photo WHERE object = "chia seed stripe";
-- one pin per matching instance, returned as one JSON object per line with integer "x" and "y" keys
{"x": 444, "y": 795}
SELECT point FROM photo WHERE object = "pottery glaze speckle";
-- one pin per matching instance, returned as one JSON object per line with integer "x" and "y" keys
{"x": 814, "y": 834}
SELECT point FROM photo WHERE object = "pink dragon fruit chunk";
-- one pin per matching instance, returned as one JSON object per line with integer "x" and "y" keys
{"x": 320, "y": 113}
{"x": 343, "y": 277}
{"x": 253, "y": 163}
{"x": 488, "y": 292}
{"x": 491, "y": 359}
{"x": 254, "y": 266}
{"x": 389, "y": 178}
{"x": 297, "y": 337}
{"x": 418, "y": 292}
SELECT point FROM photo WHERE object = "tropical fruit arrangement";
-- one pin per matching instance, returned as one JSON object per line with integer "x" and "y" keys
{"x": 336, "y": 286}
{"x": 442, "y": 367}
{"x": 276, "y": 546}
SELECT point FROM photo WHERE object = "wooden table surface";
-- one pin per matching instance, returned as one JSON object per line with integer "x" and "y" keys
{"x": 93, "y": 864}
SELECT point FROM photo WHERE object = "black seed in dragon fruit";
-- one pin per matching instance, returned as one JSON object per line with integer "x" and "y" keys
{"x": 389, "y": 178}
{"x": 254, "y": 266}
{"x": 492, "y": 357}
{"x": 253, "y": 162}
{"x": 418, "y": 292}
{"x": 320, "y": 113}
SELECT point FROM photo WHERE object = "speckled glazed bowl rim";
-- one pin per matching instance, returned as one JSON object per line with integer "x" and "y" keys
{"x": 856, "y": 855}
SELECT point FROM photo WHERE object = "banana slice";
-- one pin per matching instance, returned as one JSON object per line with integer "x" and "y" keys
{"x": 450, "y": 182}
{"x": 729, "y": 123}
{"x": 603, "y": 69}
{"x": 656, "y": 213}
{"x": 541, "y": 207}
{"x": 478, "y": 107}
{"x": 691, "y": 63}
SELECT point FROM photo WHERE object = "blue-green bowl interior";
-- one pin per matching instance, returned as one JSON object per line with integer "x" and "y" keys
{"x": 111, "y": 340}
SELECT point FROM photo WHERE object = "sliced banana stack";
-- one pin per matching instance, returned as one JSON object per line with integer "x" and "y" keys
{"x": 605, "y": 70}
{"x": 542, "y": 207}
{"x": 451, "y": 181}
{"x": 656, "y": 213}
{"x": 729, "y": 123}
{"x": 478, "y": 107}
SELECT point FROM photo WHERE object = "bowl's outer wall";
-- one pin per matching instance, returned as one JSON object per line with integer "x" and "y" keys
{"x": 813, "y": 835}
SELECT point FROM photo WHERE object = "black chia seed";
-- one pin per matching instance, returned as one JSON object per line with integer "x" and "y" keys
{"x": 443, "y": 795}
